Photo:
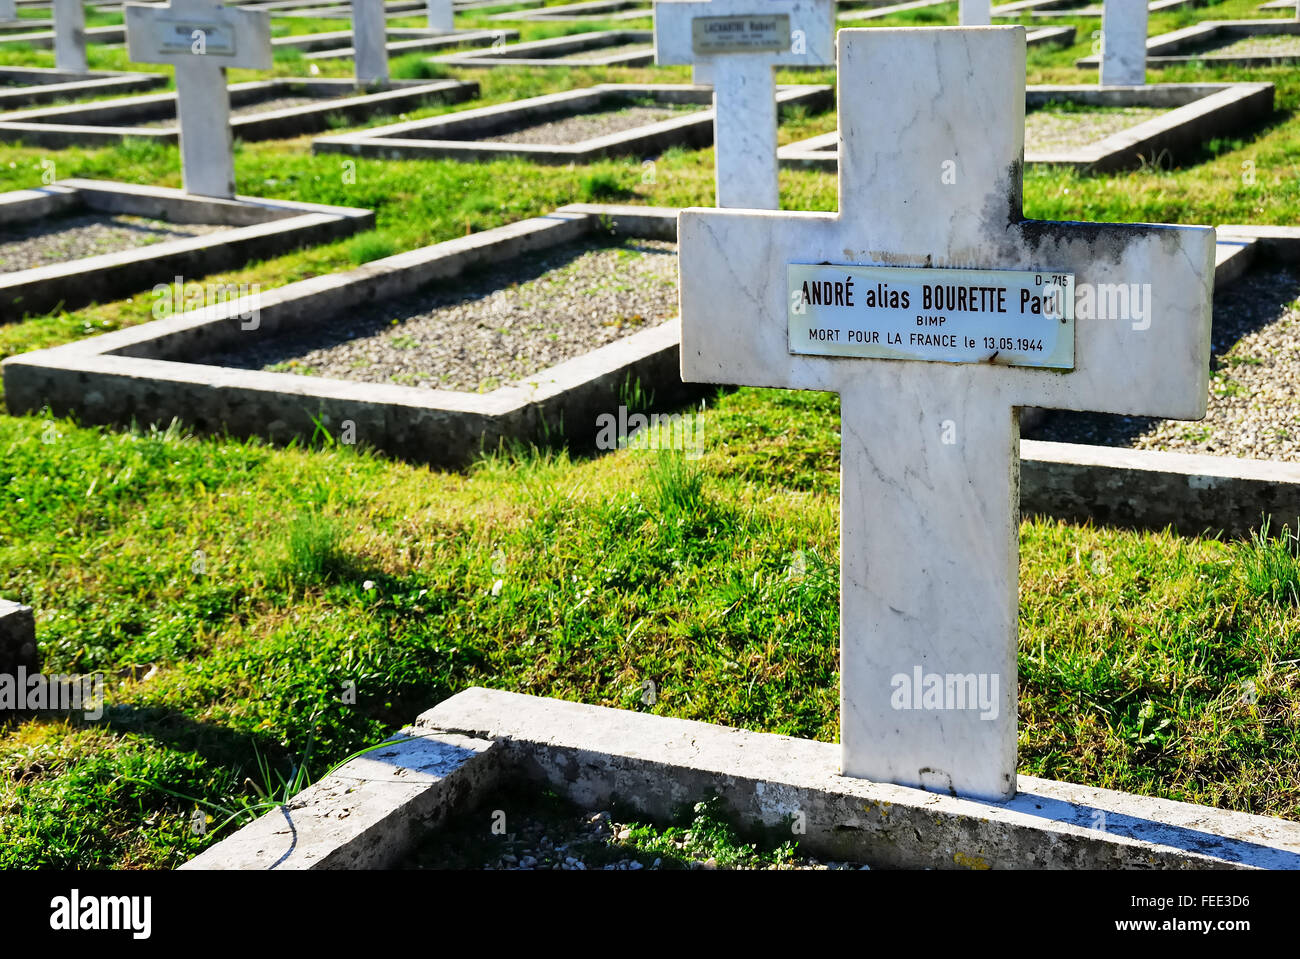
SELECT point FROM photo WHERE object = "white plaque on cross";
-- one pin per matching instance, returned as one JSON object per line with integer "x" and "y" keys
{"x": 201, "y": 38}
{"x": 735, "y": 45}
{"x": 931, "y": 126}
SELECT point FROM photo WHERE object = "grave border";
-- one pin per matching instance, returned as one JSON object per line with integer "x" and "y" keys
{"x": 66, "y": 83}
{"x": 258, "y": 228}
{"x": 1162, "y": 49}
{"x": 444, "y": 427}
{"x": 516, "y": 54}
{"x": 337, "y": 44}
{"x": 44, "y": 39}
{"x": 370, "y": 813}
{"x": 694, "y": 129}
{"x": 580, "y": 11}
{"x": 396, "y": 96}
{"x": 1214, "y": 109}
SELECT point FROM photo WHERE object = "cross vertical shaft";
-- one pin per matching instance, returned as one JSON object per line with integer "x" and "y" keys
{"x": 928, "y": 530}
{"x": 744, "y": 126}
{"x": 207, "y": 145}
{"x": 369, "y": 42}
{"x": 70, "y": 36}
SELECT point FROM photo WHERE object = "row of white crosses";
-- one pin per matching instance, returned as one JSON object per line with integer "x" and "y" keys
{"x": 936, "y": 311}
{"x": 735, "y": 45}
{"x": 201, "y": 39}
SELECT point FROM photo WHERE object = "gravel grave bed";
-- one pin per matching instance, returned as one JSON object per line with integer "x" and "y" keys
{"x": 1277, "y": 44}
{"x": 1048, "y": 129}
{"x": 590, "y": 56}
{"x": 1254, "y": 401}
{"x": 249, "y": 109}
{"x": 587, "y": 126}
{"x": 60, "y": 239}
{"x": 487, "y": 329}
{"x": 548, "y": 833}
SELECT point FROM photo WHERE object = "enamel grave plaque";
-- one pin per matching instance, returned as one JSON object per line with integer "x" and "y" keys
{"x": 740, "y": 34}
{"x": 1010, "y": 317}
{"x": 180, "y": 36}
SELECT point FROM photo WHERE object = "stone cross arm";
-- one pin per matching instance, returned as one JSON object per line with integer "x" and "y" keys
{"x": 1142, "y": 326}
{"x": 184, "y": 30}
{"x": 682, "y": 34}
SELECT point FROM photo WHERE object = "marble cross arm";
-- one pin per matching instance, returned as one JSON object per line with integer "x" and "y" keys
{"x": 233, "y": 36}
{"x": 1142, "y": 342}
{"x": 812, "y": 27}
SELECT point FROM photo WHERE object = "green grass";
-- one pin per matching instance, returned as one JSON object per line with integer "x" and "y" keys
{"x": 252, "y": 605}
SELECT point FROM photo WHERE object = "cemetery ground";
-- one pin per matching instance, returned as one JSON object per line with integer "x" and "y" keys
{"x": 231, "y": 591}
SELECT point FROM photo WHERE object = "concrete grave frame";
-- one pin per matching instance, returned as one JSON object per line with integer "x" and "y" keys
{"x": 110, "y": 121}
{"x": 24, "y": 24}
{"x": 1197, "y": 112}
{"x": 560, "y": 52}
{"x": 1037, "y": 37}
{"x": 494, "y": 4}
{"x": 1167, "y": 49}
{"x": 45, "y": 84}
{"x": 875, "y": 12}
{"x": 258, "y": 228}
{"x": 374, "y": 810}
{"x": 44, "y": 39}
{"x": 1060, "y": 8}
{"x": 605, "y": 10}
{"x": 147, "y": 373}
{"x": 337, "y": 44}
{"x": 693, "y": 129}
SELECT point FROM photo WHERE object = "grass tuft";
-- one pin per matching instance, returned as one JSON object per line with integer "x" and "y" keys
{"x": 1270, "y": 565}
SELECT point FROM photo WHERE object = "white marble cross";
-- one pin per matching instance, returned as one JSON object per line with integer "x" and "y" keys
{"x": 69, "y": 35}
{"x": 735, "y": 44}
{"x": 1124, "y": 43}
{"x": 201, "y": 38}
{"x": 441, "y": 15}
{"x": 369, "y": 42}
{"x": 931, "y": 125}
{"x": 975, "y": 13}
